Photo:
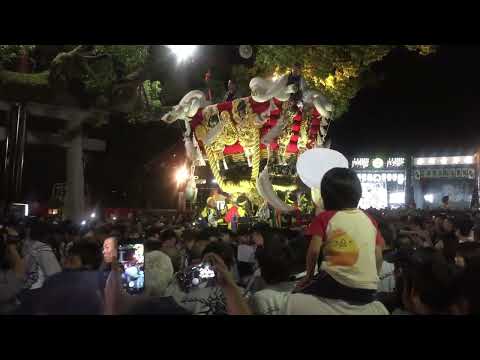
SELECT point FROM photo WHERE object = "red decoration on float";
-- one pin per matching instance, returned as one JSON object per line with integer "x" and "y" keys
{"x": 261, "y": 108}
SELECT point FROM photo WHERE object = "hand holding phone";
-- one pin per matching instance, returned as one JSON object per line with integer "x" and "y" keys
{"x": 132, "y": 266}
{"x": 224, "y": 277}
{"x": 198, "y": 276}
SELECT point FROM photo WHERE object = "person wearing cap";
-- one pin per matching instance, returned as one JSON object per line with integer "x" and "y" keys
{"x": 154, "y": 301}
{"x": 211, "y": 214}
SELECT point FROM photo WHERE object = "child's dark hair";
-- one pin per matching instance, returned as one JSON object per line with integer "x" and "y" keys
{"x": 340, "y": 189}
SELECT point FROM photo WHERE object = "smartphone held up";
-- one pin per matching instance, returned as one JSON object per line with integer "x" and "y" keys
{"x": 132, "y": 265}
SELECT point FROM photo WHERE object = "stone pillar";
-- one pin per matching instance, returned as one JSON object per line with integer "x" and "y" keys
{"x": 75, "y": 189}
{"x": 475, "y": 203}
{"x": 14, "y": 153}
{"x": 4, "y": 192}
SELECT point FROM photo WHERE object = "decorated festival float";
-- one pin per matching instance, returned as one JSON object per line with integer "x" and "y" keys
{"x": 252, "y": 144}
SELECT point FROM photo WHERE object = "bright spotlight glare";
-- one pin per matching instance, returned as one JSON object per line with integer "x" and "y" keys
{"x": 456, "y": 160}
{"x": 83, "y": 222}
{"x": 431, "y": 161}
{"x": 182, "y": 52}
{"x": 92, "y": 215}
{"x": 182, "y": 175}
{"x": 420, "y": 161}
{"x": 214, "y": 181}
{"x": 428, "y": 198}
{"x": 114, "y": 218}
{"x": 443, "y": 161}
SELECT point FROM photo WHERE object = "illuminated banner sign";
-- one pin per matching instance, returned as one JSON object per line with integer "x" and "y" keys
{"x": 381, "y": 177}
{"x": 376, "y": 163}
{"x": 445, "y": 160}
{"x": 428, "y": 173}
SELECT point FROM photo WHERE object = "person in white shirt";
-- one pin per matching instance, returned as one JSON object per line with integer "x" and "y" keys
{"x": 206, "y": 300}
{"x": 40, "y": 260}
{"x": 271, "y": 302}
{"x": 386, "y": 274}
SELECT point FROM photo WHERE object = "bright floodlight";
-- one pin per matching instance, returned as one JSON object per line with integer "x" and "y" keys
{"x": 114, "y": 218}
{"x": 92, "y": 215}
{"x": 428, "y": 198}
{"x": 83, "y": 222}
{"x": 214, "y": 181}
{"x": 182, "y": 52}
{"x": 182, "y": 175}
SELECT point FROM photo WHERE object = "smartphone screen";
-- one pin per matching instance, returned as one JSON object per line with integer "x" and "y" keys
{"x": 132, "y": 264}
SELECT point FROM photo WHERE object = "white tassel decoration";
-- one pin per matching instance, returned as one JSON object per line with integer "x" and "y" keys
{"x": 249, "y": 161}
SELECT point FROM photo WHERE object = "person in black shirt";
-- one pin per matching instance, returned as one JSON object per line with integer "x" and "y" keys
{"x": 296, "y": 78}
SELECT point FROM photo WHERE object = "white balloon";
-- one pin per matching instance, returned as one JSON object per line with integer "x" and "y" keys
{"x": 314, "y": 163}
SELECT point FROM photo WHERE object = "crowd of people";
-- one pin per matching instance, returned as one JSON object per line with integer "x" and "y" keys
{"x": 346, "y": 261}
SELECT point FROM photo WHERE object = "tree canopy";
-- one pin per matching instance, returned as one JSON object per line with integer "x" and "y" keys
{"x": 109, "y": 77}
{"x": 339, "y": 71}
{"x": 126, "y": 78}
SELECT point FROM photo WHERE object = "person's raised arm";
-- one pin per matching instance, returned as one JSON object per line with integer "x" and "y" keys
{"x": 236, "y": 304}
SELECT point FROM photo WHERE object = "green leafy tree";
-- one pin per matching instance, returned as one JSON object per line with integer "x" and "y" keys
{"x": 339, "y": 71}
{"x": 108, "y": 77}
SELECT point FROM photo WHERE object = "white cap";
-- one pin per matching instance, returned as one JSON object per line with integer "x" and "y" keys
{"x": 158, "y": 272}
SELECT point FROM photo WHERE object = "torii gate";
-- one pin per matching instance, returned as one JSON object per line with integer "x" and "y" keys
{"x": 16, "y": 135}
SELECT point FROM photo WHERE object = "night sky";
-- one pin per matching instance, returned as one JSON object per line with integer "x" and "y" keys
{"x": 422, "y": 105}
